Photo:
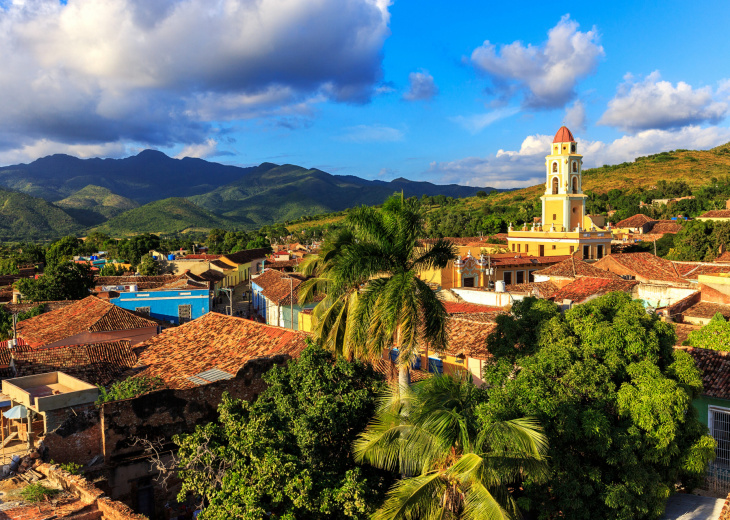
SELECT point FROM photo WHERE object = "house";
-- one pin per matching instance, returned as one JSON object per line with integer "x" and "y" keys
{"x": 213, "y": 347}
{"x": 716, "y": 214}
{"x": 247, "y": 263}
{"x": 185, "y": 298}
{"x": 570, "y": 269}
{"x": 91, "y": 320}
{"x": 644, "y": 267}
{"x": 587, "y": 288}
{"x": 276, "y": 299}
{"x": 638, "y": 223}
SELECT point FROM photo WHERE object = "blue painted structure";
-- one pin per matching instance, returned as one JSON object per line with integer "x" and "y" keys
{"x": 165, "y": 305}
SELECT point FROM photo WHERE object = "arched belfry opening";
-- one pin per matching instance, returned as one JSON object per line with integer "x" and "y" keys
{"x": 575, "y": 184}
{"x": 555, "y": 185}
{"x": 555, "y": 167}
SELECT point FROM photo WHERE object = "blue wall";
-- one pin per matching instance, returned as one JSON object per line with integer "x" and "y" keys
{"x": 164, "y": 304}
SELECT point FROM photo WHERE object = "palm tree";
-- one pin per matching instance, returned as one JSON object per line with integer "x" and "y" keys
{"x": 452, "y": 467}
{"x": 374, "y": 298}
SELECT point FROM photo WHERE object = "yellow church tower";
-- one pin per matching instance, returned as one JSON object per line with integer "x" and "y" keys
{"x": 562, "y": 228}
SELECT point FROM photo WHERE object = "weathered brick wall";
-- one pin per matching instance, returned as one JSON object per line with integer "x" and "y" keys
{"x": 161, "y": 415}
{"x": 78, "y": 438}
{"x": 725, "y": 513}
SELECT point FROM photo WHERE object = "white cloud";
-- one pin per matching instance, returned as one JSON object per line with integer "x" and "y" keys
{"x": 478, "y": 122}
{"x": 43, "y": 147}
{"x": 548, "y": 73}
{"x": 575, "y": 116}
{"x": 371, "y": 134}
{"x": 526, "y": 167}
{"x": 652, "y": 103}
{"x": 199, "y": 150}
{"x": 158, "y": 72}
{"x": 421, "y": 87}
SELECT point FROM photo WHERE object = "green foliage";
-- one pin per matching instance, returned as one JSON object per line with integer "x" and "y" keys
{"x": 62, "y": 251}
{"x": 38, "y": 492}
{"x": 614, "y": 399}
{"x": 67, "y": 281}
{"x": 23, "y": 217}
{"x": 147, "y": 266}
{"x": 129, "y": 388}
{"x": 71, "y": 467}
{"x": 288, "y": 455}
{"x": 715, "y": 335}
{"x": 8, "y": 266}
{"x": 6, "y": 320}
{"x": 454, "y": 464}
{"x": 110, "y": 269}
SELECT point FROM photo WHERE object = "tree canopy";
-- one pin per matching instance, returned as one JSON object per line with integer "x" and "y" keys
{"x": 288, "y": 454}
{"x": 715, "y": 335}
{"x": 65, "y": 281}
{"x": 615, "y": 401}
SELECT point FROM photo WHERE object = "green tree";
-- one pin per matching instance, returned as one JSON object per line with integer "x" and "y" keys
{"x": 694, "y": 242}
{"x": 288, "y": 454}
{"x": 66, "y": 281}
{"x": 6, "y": 320}
{"x": 62, "y": 250}
{"x": 615, "y": 401}
{"x": 8, "y": 266}
{"x": 259, "y": 242}
{"x": 394, "y": 308}
{"x": 456, "y": 466}
{"x": 110, "y": 269}
{"x": 481, "y": 194}
{"x": 715, "y": 335}
{"x": 147, "y": 266}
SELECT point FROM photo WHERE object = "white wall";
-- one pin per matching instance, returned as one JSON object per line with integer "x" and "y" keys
{"x": 491, "y": 298}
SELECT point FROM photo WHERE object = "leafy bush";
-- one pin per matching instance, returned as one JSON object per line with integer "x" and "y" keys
{"x": 38, "y": 492}
{"x": 71, "y": 467}
{"x": 129, "y": 388}
{"x": 715, "y": 335}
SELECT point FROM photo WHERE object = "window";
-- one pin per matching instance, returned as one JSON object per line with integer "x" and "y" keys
{"x": 527, "y": 248}
{"x": 508, "y": 278}
{"x": 518, "y": 247}
{"x": 520, "y": 278}
{"x": 554, "y": 247}
{"x": 575, "y": 166}
{"x": 555, "y": 217}
{"x": 555, "y": 185}
{"x": 586, "y": 252}
{"x": 184, "y": 313}
{"x": 513, "y": 248}
{"x": 599, "y": 252}
{"x": 575, "y": 182}
{"x": 719, "y": 422}
{"x": 541, "y": 250}
{"x": 143, "y": 310}
{"x": 531, "y": 276}
{"x": 469, "y": 282}
{"x": 572, "y": 148}
{"x": 555, "y": 170}
{"x": 574, "y": 210}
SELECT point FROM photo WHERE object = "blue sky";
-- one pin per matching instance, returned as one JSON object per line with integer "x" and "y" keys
{"x": 470, "y": 93}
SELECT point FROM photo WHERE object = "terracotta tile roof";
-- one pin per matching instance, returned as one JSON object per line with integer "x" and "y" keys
{"x": 585, "y": 287}
{"x": 47, "y": 306}
{"x": 213, "y": 341}
{"x": 691, "y": 270}
{"x": 278, "y": 286}
{"x": 644, "y": 265}
{"x": 707, "y": 310}
{"x": 280, "y": 264}
{"x": 512, "y": 260}
{"x": 723, "y": 258}
{"x": 563, "y": 135}
{"x": 680, "y": 306}
{"x": 539, "y": 289}
{"x": 465, "y": 307}
{"x": 211, "y": 275}
{"x": 390, "y": 370}
{"x": 575, "y": 268}
{"x": 247, "y": 255}
{"x": 714, "y": 367}
{"x": 468, "y": 336}
{"x": 634, "y": 221}
{"x": 97, "y": 363}
{"x": 661, "y": 227}
{"x": 199, "y": 257}
{"x": 88, "y": 315}
{"x": 683, "y": 330}
{"x": 716, "y": 213}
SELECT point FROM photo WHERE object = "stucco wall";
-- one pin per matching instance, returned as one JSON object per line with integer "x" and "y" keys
{"x": 164, "y": 304}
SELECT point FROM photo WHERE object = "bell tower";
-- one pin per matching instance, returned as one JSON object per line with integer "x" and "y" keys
{"x": 563, "y": 204}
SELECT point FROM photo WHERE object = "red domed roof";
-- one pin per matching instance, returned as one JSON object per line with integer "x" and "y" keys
{"x": 563, "y": 136}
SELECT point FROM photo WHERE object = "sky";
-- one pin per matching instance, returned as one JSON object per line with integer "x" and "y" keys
{"x": 467, "y": 92}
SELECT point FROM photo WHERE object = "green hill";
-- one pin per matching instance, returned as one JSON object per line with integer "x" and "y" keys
{"x": 23, "y": 217}
{"x": 272, "y": 193}
{"x": 94, "y": 205}
{"x": 164, "y": 216}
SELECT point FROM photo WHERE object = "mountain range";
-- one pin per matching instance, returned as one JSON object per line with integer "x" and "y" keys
{"x": 151, "y": 192}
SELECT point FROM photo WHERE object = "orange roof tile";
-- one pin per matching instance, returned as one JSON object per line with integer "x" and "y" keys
{"x": 88, "y": 315}
{"x": 714, "y": 366}
{"x": 247, "y": 255}
{"x": 583, "y": 288}
{"x": 716, "y": 213}
{"x": 644, "y": 265}
{"x": 465, "y": 307}
{"x": 576, "y": 268}
{"x": 563, "y": 135}
{"x": 634, "y": 221}
{"x": 213, "y": 341}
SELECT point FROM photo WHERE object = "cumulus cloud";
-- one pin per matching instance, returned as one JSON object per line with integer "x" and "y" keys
{"x": 526, "y": 166}
{"x": 575, "y": 116}
{"x": 421, "y": 87}
{"x": 546, "y": 74}
{"x": 103, "y": 71}
{"x": 478, "y": 122}
{"x": 199, "y": 150}
{"x": 371, "y": 134}
{"x": 653, "y": 103}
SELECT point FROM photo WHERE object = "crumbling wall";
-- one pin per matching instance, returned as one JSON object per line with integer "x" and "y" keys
{"x": 160, "y": 415}
{"x": 78, "y": 438}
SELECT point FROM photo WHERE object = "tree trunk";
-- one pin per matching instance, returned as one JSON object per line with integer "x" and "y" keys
{"x": 404, "y": 376}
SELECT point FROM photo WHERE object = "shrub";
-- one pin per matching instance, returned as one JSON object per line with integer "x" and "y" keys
{"x": 129, "y": 388}
{"x": 37, "y": 492}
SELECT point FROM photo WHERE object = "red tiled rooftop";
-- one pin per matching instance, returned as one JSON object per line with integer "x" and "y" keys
{"x": 213, "y": 341}
{"x": 583, "y": 288}
{"x": 714, "y": 367}
{"x": 634, "y": 221}
{"x": 575, "y": 268}
{"x": 539, "y": 289}
{"x": 644, "y": 265}
{"x": 691, "y": 270}
{"x": 723, "y": 258}
{"x": 716, "y": 213}
{"x": 88, "y": 315}
{"x": 707, "y": 310}
{"x": 465, "y": 307}
{"x": 247, "y": 255}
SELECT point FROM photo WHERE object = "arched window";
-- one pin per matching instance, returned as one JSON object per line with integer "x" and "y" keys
{"x": 575, "y": 166}
{"x": 575, "y": 184}
{"x": 555, "y": 185}
{"x": 555, "y": 167}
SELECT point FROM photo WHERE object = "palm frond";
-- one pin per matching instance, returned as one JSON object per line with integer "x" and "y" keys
{"x": 413, "y": 498}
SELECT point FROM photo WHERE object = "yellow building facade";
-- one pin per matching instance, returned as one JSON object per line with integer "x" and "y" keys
{"x": 565, "y": 228}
